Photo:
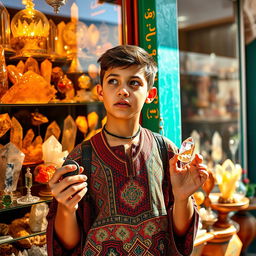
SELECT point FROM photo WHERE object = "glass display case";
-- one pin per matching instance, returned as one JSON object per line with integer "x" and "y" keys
{"x": 212, "y": 97}
{"x": 48, "y": 79}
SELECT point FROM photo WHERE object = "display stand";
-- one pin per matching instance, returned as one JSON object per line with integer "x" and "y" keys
{"x": 225, "y": 242}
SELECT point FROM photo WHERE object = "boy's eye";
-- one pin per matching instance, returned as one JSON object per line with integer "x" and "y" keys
{"x": 113, "y": 81}
{"x": 135, "y": 83}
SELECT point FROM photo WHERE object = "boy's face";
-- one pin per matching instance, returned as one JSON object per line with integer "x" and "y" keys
{"x": 124, "y": 92}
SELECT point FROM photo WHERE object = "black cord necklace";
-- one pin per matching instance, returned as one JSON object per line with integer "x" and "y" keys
{"x": 121, "y": 137}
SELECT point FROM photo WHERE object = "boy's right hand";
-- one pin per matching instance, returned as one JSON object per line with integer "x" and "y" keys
{"x": 70, "y": 190}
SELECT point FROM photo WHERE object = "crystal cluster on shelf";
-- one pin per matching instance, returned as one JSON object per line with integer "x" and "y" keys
{"x": 37, "y": 217}
{"x": 52, "y": 151}
{"x": 32, "y": 88}
{"x": 227, "y": 176}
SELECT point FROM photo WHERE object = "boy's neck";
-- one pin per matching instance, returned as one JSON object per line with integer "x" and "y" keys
{"x": 122, "y": 130}
{"x": 120, "y": 136}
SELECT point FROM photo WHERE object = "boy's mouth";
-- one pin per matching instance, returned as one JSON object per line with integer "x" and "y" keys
{"x": 122, "y": 103}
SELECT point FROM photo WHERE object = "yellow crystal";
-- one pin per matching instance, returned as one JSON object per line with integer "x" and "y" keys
{"x": 21, "y": 67}
{"x": 46, "y": 70}
{"x": 5, "y": 124}
{"x": 31, "y": 64}
{"x": 3, "y": 73}
{"x": 227, "y": 176}
{"x": 82, "y": 124}
{"x": 92, "y": 120}
{"x": 13, "y": 74}
{"x": 33, "y": 152}
{"x": 52, "y": 129}
{"x": 16, "y": 133}
{"x": 32, "y": 88}
{"x": 28, "y": 139}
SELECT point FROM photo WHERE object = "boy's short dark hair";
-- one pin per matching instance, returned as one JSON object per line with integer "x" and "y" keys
{"x": 126, "y": 56}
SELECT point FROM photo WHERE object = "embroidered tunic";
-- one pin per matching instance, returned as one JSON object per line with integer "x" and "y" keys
{"x": 130, "y": 212}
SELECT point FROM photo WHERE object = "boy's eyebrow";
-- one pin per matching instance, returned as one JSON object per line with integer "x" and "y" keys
{"x": 112, "y": 75}
{"x": 119, "y": 75}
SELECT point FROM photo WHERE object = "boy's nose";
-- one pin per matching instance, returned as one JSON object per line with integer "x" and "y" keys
{"x": 123, "y": 91}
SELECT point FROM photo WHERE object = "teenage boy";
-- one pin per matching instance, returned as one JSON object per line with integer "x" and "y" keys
{"x": 136, "y": 207}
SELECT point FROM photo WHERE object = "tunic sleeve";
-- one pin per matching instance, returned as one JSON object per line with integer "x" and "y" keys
{"x": 54, "y": 246}
{"x": 180, "y": 245}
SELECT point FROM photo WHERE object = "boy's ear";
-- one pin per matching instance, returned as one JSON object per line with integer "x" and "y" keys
{"x": 100, "y": 92}
{"x": 152, "y": 93}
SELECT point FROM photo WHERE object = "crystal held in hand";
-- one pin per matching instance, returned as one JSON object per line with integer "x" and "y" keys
{"x": 186, "y": 150}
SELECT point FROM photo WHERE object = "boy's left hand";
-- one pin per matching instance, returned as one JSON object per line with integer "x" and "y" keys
{"x": 187, "y": 179}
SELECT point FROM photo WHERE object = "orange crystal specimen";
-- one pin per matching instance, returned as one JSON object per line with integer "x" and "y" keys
{"x": 5, "y": 124}
{"x": 32, "y": 88}
{"x": 46, "y": 70}
{"x": 16, "y": 133}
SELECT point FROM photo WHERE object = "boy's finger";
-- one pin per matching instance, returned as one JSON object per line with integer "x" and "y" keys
{"x": 59, "y": 172}
{"x": 203, "y": 175}
{"x": 198, "y": 159}
{"x": 81, "y": 169}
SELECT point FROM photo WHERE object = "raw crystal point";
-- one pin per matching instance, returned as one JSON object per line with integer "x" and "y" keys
{"x": 216, "y": 147}
{"x": 69, "y": 134}
{"x": 59, "y": 45}
{"x": 31, "y": 64}
{"x": 38, "y": 141}
{"x": 52, "y": 151}
{"x": 3, "y": 73}
{"x": 11, "y": 155}
{"x": 13, "y": 74}
{"x": 52, "y": 37}
{"x": 28, "y": 138}
{"x": 5, "y": 124}
{"x": 32, "y": 88}
{"x": 186, "y": 150}
{"x": 92, "y": 120}
{"x": 37, "y": 217}
{"x": 5, "y": 31}
{"x": 82, "y": 124}
{"x": 46, "y": 70}
{"x": 34, "y": 151}
{"x": 52, "y": 129}
{"x": 16, "y": 133}
{"x": 21, "y": 67}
